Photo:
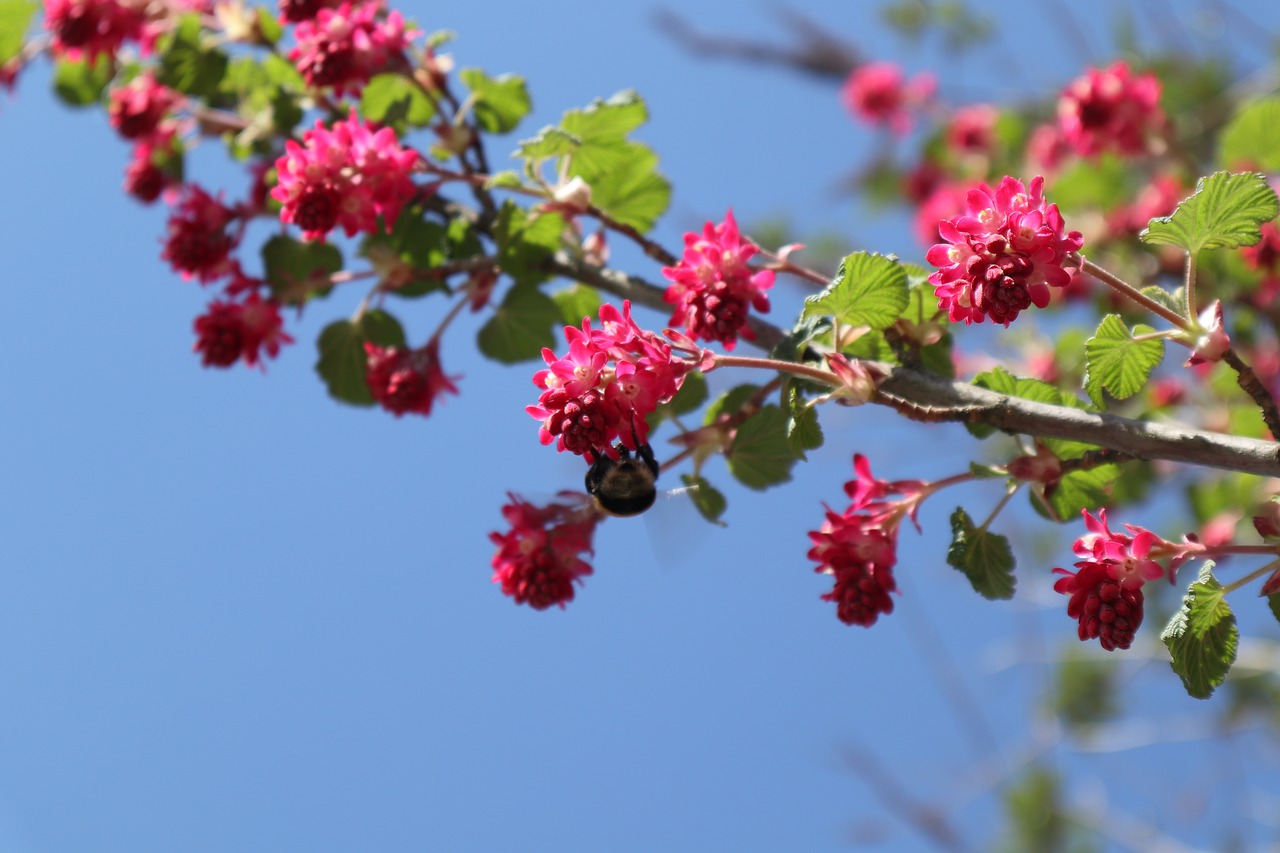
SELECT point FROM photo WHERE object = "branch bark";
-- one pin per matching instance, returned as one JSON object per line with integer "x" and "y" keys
{"x": 957, "y": 401}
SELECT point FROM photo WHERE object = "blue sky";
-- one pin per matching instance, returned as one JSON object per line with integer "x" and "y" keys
{"x": 236, "y": 615}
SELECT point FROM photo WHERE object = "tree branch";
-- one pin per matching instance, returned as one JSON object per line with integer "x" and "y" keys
{"x": 958, "y": 401}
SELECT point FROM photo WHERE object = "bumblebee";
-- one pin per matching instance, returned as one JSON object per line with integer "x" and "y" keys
{"x": 624, "y": 486}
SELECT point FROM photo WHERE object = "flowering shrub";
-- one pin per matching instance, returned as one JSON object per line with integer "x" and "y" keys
{"x": 361, "y": 140}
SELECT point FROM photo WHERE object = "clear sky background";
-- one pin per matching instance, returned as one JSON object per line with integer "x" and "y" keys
{"x": 237, "y": 615}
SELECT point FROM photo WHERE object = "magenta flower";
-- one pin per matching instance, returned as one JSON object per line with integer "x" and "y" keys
{"x": 407, "y": 380}
{"x": 137, "y": 108}
{"x": 1213, "y": 342}
{"x": 1106, "y": 592}
{"x": 972, "y": 129}
{"x": 540, "y": 558}
{"x": 712, "y": 286}
{"x": 344, "y": 176}
{"x": 1002, "y": 254}
{"x": 345, "y": 46}
{"x": 879, "y": 93}
{"x": 233, "y": 331}
{"x": 1111, "y": 110}
{"x": 87, "y": 29}
{"x": 611, "y": 379}
{"x": 198, "y": 244}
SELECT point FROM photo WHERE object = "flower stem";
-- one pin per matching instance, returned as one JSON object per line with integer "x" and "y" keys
{"x": 826, "y": 377}
{"x": 1251, "y": 577}
{"x": 1128, "y": 290}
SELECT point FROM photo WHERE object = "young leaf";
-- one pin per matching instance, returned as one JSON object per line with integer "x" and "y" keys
{"x": 706, "y": 497}
{"x": 692, "y": 394}
{"x": 803, "y": 430}
{"x": 729, "y": 403}
{"x": 297, "y": 271}
{"x": 633, "y": 193}
{"x": 392, "y": 100}
{"x": 869, "y": 290}
{"x": 79, "y": 84}
{"x": 342, "y": 357}
{"x": 984, "y": 557}
{"x": 1117, "y": 363}
{"x": 15, "y": 17}
{"x": 1223, "y": 213}
{"x": 577, "y": 303}
{"x": 760, "y": 456}
{"x": 1081, "y": 490}
{"x": 1250, "y": 138}
{"x": 187, "y": 64}
{"x": 1202, "y": 636}
{"x": 524, "y": 244}
{"x": 500, "y": 102}
{"x": 521, "y": 326}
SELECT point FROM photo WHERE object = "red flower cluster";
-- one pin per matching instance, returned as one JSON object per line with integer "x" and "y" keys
{"x": 602, "y": 390}
{"x": 1002, "y": 254}
{"x": 713, "y": 285}
{"x": 540, "y": 558}
{"x": 198, "y": 244}
{"x": 972, "y": 129}
{"x": 346, "y": 175}
{"x": 233, "y": 331}
{"x": 87, "y": 29}
{"x": 1106, "y": 592}
{"x": 296, "y": 11}
{"x": 879, "y": 92}
{"x": 150, "y": 171}
{"x": 137, "y": 108}
{"x": 859, "y": 546}
{"x": 407, "y": 380}
{"x": 1111, "y": 110}
{"x": 346, "y": 45}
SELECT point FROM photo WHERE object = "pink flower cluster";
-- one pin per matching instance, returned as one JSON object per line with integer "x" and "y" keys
{"x": 540, "y": 558}
{"x": 346, "y": 45}
{"x": 859, "y": 546}
{"x": 878, "y": 92}
{"x": 602, "y": 390}
{"x": 151, "y": 167}
{"x": 137, "y": 108}
{"x": 712, "y": 286}
{"x": 407, "y": 380}
{"x": 1106, "y": 592}
{"x": 87, "y": 29}
{"x": 240, "y": 331}
{"x": 199, "y": 244}
{"x": 1002, "y": 254}
{"x": 1110, "y": 109}
{"x": 296, "y": 11}
{"x": 346, "y": 175}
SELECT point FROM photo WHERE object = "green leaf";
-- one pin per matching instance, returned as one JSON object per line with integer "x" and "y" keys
{"x": 984, "y": 557}
{"x": 1081, "y": 490}
{"x": 803, "y": 430}
{"x": 729, "y": 403}
{"x": 520, "y": 327}
{"x": 1086, "y": 692}
{"x": 986, "y": 472}
{"x": 500, "y": 102}
{"x": 610, "y": 119}
{"x": 1117, "y": 363}
{"x": 549, "y": 142}
{"x": 505, "y": 180}
{"x": 869, "y": 290}
{"x": 342, "y": 357}
{"x": 576, "y": 303}
{"x": 1202, "y": 636}
{"x": 760, "y": 456}
{"x": 706, "y": 497}
{"x": 15, "y": 19}
{"x": 1273, "y": 601}
{"x": 268, "y": 26}
{"x": 297, "y": 271}
{"x": 1249, "y": 140}
{"x": 393, "y": 100}
{"x": 188, "y": 65}
{"x": 1223, "y": 213}
{"x": 78, "y": 84}
{"x": 633, "y": 193}
{"x": 1175, "y": 301}
{"x": 524, "y": 244}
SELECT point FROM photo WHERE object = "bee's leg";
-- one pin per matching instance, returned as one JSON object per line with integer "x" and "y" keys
{"x": 645, "y": 452}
